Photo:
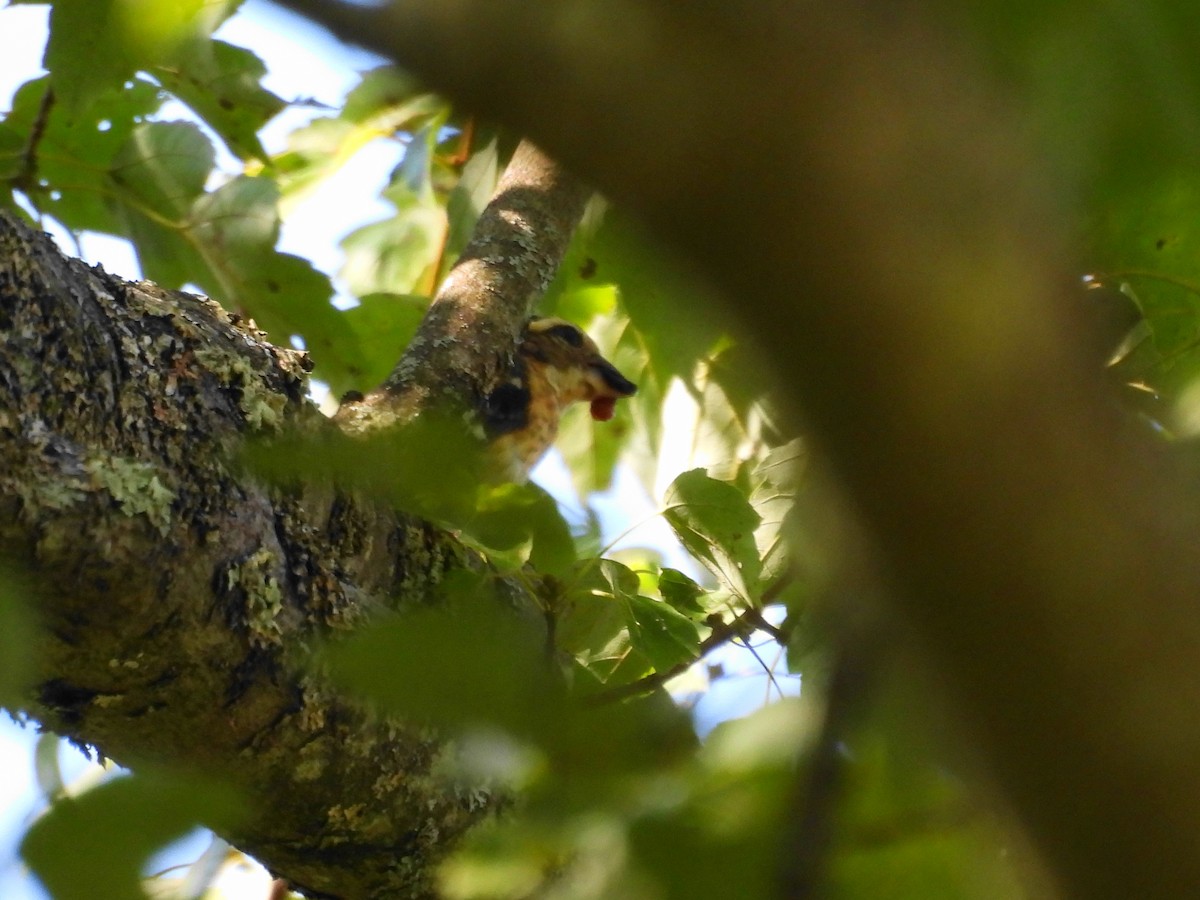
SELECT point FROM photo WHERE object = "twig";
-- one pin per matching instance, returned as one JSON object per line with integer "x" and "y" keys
{"x": 26, "y": 180}
{"x": 720, "y": 634}
{"x": 807, "y": 834}
{"x": 748, "y": 620}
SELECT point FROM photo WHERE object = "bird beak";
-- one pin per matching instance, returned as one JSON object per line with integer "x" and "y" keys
{"x": 614, "y": 380}
{"x": 612, "y": 386}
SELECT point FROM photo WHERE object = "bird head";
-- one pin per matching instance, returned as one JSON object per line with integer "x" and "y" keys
{"x": 571, "y": 366}
{"x": 556, "y": 365}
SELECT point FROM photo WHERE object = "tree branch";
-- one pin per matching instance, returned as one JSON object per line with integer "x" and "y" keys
{"x": 177, "y": 594}
{"x": 466, "y": 340}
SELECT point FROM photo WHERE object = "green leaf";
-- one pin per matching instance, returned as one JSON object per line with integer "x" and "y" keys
{"x": 680, "y": 592}
{"x": 13, "y": 142}
{"x": 237, "y": 226}
{"x": 592, "y": 626}
{"x": 154, "y": 180}
{"x": 383, "y": 325}
{"x": 162, "y": 169}
{"x": 96, "y": 46}
{"x": 663, "y": 635}
{"x": 722, "y": 838}
{"x": 905, "y": 822}
{"x": 515, "y": 514}
{"x": 70, "y": 174}
{"x": 431, "y": 467}
{"x": 689, "y": 862}
{"x": 397, "y": 254}
{"x": 775, "y": 481}
{"x": 221, "y": 83}
{"x": 1114, "y": 97}
{"x": 716, "y": 524}
{"x": 381, "y": 105}
{"x": 469, "y": 662}
{"x": 658, "y": 291}
{"x": 385, "y": 89}
{"x": 1148, "y": 240}
{"x": 619, "y": 633}
{"x": 467, "y": 200}
{"x": 657, "y": 631}
{"x": 87, "y": 53}
{"x": 95, "y": 845}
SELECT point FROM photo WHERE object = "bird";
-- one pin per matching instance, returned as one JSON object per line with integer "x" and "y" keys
{"x": 556, "y": 364}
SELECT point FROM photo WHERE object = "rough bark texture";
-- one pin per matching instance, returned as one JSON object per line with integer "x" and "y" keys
{"x": 871, "y": 213}
{"x": 466, "y": 340}
{"x": 176, "y": 591}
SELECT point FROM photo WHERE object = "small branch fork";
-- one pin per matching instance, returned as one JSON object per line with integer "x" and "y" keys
{"x": 466, "y": 339}
{"x": 741, "y": 626}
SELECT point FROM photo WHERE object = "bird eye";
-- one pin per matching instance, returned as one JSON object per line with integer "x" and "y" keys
{"x": 568, "y": 333}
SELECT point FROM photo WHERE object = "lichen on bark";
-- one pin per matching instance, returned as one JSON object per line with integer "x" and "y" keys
{"x": 173, "y": 587}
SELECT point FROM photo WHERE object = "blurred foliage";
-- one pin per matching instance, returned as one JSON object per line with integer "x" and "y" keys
{"x": 96, "y": 844}
{"x": 619, "y": 799}
{"x": 17, "y": 630}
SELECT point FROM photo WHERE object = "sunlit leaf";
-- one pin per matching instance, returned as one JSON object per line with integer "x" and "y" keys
{"x": 221, "y": 83}
{"x": 716, "y": 523}
{"x": 95, "y": 46}
{"x": 70, "y": 168}
{"x": 379, "y": 89}
{"x": 775, "y": 481}
{"x": 397, "y": 254}
{"x": 384, "y": 102}
{"x": 467, "y": 200}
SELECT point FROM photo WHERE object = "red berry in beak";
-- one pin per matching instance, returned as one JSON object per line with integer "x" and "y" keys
{"x": 603, "y": 408}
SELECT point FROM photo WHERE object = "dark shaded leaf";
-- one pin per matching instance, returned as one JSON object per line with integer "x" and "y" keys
{"x": 681, "y": 592}
{"x": 95, "y": 845}
{"x": 431, "y": 467}
{"x": 162, "y": 169}
{"x": 239, "y": 225}
{"x": 468, "y": 662}
{"x": 383, "y": 325}
{"x": 513, "y": 515}
{"x": 663, "y": 635}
